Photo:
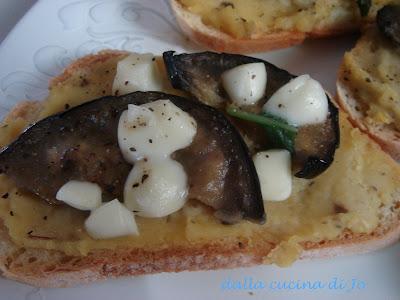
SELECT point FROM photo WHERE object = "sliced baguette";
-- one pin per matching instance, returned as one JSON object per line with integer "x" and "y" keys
{"x": 214, "y": 39}
{"x": 386, "y": 135}
{"x": 50, "y": 268}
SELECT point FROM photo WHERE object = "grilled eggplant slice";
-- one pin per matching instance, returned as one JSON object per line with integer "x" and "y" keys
{"x": 388, "y": 20}
{"x": 199, "y": 74}
{"x": 82, "y": 144}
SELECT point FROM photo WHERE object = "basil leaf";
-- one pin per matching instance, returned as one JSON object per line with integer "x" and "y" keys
{"x": 364, "y": 6}
{"x": 280, "y": 137}
{"x": 278, "y": 131}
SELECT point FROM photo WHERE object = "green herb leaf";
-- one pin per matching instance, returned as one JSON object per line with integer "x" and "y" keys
{"x": 279, "y": 136}
{"x": 364, "y": 6}
{"x": 279, "y": 132}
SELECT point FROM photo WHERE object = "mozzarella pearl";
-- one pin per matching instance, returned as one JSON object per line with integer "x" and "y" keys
{"x": 111, "y": 220}
{"x": 156, "y": 188}
{"x": 274, "y": 172}
{"x": 156, "y": 129}
{"x": 245, "y": 84}
{"x": 302, "y": 101}
{"x": 80, "y": 194}
{"x": 137, "y": 72}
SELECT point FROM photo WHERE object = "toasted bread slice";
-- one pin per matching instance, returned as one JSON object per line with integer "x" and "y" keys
{"x": 51, "y": 267}
{"x": 338, "y": 18}
{"x": 367, "y": 91}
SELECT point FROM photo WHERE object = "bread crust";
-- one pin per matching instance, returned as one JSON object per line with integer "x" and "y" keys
{"x": 193, "y": 27}
{"x": 385, "y": 136}
{"x": 50, "y": 268}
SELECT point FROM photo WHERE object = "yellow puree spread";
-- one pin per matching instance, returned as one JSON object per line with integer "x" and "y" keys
{"x": 348, "y": 195}
{"x": 252, "y": 18}
{"x": 372, "y": 71}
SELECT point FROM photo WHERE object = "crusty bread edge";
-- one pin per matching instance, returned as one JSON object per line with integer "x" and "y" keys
{"x": 103, "y": 264}
{"x": 109, "y": 264}
{"x": 390, "y": 145}
{"x": 193, "y": 27}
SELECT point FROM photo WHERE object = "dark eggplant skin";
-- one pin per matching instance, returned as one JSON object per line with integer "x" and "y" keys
{"x": 82, "y": 144}
{"x": 388, "y": 20}
{"x": 199, "y": 74}
{"x": 314, "y": 165}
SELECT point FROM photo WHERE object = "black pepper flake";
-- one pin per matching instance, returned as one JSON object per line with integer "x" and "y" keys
{"x": 84, "y": 82}
{"x": 144, "y": 177}
{"x": 145, "y": 159}
{"x": 169, "y": 119}
{"x": 135, "y": 185}
{"x": 339, "y": 209}
{"x": 253, "y": 76}
{"x": 116, "y": 92}
{"x": 30, "y": 232}
{"x": 153, "y": 59}
{"x": 107, "y": 71}
{"x": 150, "y": 109}
{"x": 11, "y": 213}
{"x": 368, "y": 80}
{"x": 132, "y": 149}
{"x": 226, "y": 4}
{"x": 126, "y": 82}
{"x": 66, "y": 106}
{"x": 5, "y": 196}
{"x": 150, "y": 141}
{"x": 280, "y": 105}
{"x": 45, "y": 218}
{"x": 104, "y": 91}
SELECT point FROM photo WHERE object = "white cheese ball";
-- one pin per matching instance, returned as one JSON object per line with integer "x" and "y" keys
{"x": 137, "y": 72}
{"x": 81, "y": 195}
{"x": 245, "y": 84}
{"x": 302, "y": 101}
{"x": 274, "y": 172}
{"x": 156, "y": 188}
{"x": 156, "y": 130}
{"x": 111, "y": 220}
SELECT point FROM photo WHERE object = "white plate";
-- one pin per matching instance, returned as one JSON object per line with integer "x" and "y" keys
{"x": 55, "y": 32}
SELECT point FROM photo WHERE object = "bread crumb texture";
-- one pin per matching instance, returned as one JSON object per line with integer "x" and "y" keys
{"x": 371, "y": 72}
{"x": 256, "y": 18}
